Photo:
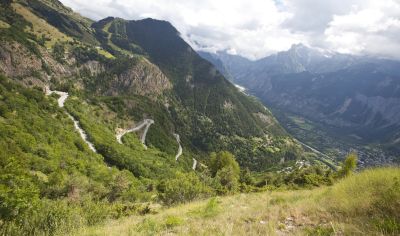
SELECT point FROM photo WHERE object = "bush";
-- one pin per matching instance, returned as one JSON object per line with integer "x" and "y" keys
{"x": 58, "y": 52}
{"x": 50, "y": 218}
{"x": 182, "y": 188}
{"x": 228, "y": 179}
{"x": 211, "y": 209}
{"x": 18, "y": 194}
{"x": 226, "y": 170}
{"x": 172, "y": 221}
{"x": 349, "y": 164}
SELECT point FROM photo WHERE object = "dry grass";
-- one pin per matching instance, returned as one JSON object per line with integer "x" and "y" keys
{"x": 324, "y": 211}
{"x": 243, "y": 214}
{"x": 105, "y": 53}
{"x": 4, "y": 25}
{"x": 41, "y": 27}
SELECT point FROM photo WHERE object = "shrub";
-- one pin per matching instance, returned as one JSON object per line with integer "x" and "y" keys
{"x": 226, "y": 170}
{"x": 172, "y": 221}
{"x": 349, "y": 164}
{"x": 182, "y": 188}
{"x": 18, "y": 194}
{"x": 58, "y": 52}
{"x": 49, "y": 218}
{"x": 223, "y": 159}
{"x": 211, "y": 209}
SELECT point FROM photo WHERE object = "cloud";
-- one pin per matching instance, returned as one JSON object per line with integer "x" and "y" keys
{"x": 259, "y": 28}
{"x": 313, "y": 16}
{"x": 374, "y": 30}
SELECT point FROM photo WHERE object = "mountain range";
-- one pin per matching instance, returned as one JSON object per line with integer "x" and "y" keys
{"x": 114, "y": 126}
{"x": 352, "y": 97}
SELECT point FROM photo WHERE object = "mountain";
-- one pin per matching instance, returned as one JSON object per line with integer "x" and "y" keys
{"x": 216, "y": 62}
{"x": 110, "y": 119}
{"x": 98, "y": 117}
{"x": 127, "y": 65}
{"x": 207, "y": 110}
{"x": 352, "y": 97}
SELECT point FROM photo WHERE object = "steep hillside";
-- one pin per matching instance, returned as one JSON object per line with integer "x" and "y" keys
{"x": 103, "y": 119}
{"x": 115, "y": 118}
{"x": 216, "y": 62}
{"x": 47, "y": 169}
{"x": 117, "y": 60}
{"x": 211, "y": 114}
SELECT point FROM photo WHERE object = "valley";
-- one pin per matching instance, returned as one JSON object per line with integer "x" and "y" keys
{"x": 333, "y": 102}
{"x": 332, "y": 144}
{"x": 121, "y": 125}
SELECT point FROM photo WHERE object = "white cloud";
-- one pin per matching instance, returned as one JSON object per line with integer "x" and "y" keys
{"x": 373, "y": 29}
{"x": 261, "y": 27}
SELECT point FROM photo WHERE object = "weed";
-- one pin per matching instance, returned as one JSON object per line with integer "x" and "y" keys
{"x": 320, "y": 231}
{"x": 211, "y": 209}
{"x": 172, "y": 221}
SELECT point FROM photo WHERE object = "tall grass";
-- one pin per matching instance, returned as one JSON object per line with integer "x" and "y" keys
{"x": 366, "y": 203}
{"x": 372, "y": 196}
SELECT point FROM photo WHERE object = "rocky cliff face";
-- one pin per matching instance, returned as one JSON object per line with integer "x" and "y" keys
{"x": 17, "y": 61}
{"x": 143, "y": 78}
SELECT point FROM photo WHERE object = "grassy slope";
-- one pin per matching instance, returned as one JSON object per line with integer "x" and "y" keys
{"x": 41, "y": 27}
{"x": 64, "y": 19}
{"x": 106, "y": 29}
{"x": 100, "y": 123}
{"x": 363, "y": 204}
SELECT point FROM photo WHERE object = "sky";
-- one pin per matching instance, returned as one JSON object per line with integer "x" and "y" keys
{"x": 258, "y": 28}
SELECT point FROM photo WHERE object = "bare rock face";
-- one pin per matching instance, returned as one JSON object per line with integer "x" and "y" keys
{"x": 143, "y": 78}
{"x": 17, "y": 61}
{"x": 94, "y": 67}
{"x": 58, "y": 70}
{"x": 264, "y": 118}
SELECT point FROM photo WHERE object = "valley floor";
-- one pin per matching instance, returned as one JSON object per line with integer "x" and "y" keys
{"x": 364, "y": 204}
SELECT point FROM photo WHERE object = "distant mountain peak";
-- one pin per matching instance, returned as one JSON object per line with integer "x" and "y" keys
{"x": 166, "y": 25}
{"x": 298, "y": 46}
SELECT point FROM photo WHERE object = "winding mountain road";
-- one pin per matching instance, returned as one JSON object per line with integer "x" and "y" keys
{"x": 145, "y": 123}
{"x": 61, "y": 100}
{"x": 194, "y": 164}
{"x": 178, "y": 139}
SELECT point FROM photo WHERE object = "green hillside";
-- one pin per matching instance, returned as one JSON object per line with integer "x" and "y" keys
{"x": 109, "y": 60}
{"x": 105, "y": 120}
